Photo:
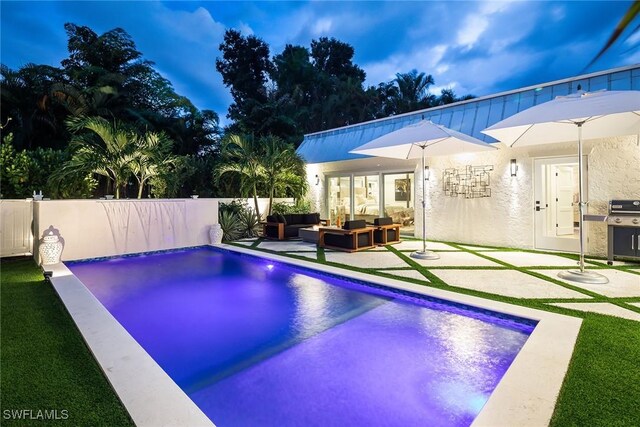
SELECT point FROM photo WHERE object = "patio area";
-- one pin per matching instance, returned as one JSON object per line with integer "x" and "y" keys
{"x": 515, "y": 276}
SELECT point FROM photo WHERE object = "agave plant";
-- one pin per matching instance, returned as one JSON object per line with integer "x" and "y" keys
{"x": 231, "y": 226}
{"x": 249, "y": 223}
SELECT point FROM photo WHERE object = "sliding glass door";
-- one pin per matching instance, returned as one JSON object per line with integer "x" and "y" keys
{"x": 339, "y": 198}
{"x": 398, "y": 199}
{"x": 366, "y": 197}
{"x": 372, "y": 196}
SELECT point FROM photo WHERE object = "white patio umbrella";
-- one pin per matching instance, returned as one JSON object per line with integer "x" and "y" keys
{"x": 420, "y": 140}
{"x": 567, "y": 118}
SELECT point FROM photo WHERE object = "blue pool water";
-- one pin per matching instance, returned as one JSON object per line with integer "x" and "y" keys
{"x": 254, "y": 342}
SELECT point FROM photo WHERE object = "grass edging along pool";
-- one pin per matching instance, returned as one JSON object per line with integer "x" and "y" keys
{"x": 546, "y": 352}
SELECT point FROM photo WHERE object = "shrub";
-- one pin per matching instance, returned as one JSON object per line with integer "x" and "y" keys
{"x": 235, "y": 206}
{"x": 249, "y": 223}
{"x": 231, "y": 226}
{"x": 300, "y": 206}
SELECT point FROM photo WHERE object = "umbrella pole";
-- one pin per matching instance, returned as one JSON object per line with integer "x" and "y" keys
{"x": 581, "y": 275}
{"x": 424, "y": 254}
{"x": 580, "y": 198}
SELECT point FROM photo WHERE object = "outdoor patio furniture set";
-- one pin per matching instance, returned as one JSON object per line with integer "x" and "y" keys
{"x": 355, "y": 235}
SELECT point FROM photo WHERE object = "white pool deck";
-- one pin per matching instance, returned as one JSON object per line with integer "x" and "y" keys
{"x": 525, "y": 396}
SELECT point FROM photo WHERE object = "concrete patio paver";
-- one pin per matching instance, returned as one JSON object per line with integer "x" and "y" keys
{"x": 635, "y": 304}
{"x": 373, "y": 259}
{"x": 529, "y": 259}
{"x": 416, "y": 245}
{"x": 457, "y": 259}
{"x": 621, "y": 283}
{"x": 511, "y": 283}
{"x": 602, "y": 308}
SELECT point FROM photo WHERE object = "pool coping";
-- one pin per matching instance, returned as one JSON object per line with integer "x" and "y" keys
{"x": 525, "y": 396}
{"x": 150, "y": 396}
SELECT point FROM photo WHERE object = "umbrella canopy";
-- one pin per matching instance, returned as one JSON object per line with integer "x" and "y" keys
{"x": 603, "y": 114}
{"x": 569, "y": 118}
{"x": 409, "y": 141}
{"x": 420, "y": 140}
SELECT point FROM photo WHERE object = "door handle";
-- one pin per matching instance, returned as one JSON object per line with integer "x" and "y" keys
{"x": 538, "y": 208}
{"x": 632, "y": 248}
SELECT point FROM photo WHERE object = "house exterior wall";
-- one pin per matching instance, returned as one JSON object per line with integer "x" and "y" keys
{"x": 507, "y": 217}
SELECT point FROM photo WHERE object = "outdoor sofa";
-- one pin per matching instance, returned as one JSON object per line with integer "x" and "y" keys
{"x": 286, "y": 226}
{"x": 353, "y": 236}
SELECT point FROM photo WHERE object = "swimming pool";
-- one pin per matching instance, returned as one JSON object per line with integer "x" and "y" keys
{"x": 254, "y": 342}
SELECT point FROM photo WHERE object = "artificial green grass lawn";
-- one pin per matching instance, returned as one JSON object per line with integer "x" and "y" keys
{"x": 44, "y": 362}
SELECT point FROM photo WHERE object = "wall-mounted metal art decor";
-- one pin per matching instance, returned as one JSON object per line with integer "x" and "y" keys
{"x": 471, "y": 182}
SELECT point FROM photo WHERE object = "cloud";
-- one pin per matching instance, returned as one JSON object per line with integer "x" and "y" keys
{"x": 245, "y": 29}
{"x": 424, "y": 58}
{"x": 474, "y": 47}
{"x": 471, "y": 31}
{"x": 322, "y": 26}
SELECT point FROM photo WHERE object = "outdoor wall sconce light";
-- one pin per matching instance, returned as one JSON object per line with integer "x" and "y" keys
{"x": 317, "y": 180}
{"x": 514, "y": 167}
{"x": 427, "y": 173}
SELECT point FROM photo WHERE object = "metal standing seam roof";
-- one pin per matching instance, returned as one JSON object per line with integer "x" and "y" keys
{"x": 468, "y": 117}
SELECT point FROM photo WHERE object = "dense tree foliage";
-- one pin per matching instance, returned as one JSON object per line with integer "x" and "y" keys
{"x": 104, "y": 78}
{"x": 106, "y": 121}
{"x": 303, "y": 90}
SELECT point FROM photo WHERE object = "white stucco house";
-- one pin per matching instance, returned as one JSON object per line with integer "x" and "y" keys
{"x": 513, "y": 181}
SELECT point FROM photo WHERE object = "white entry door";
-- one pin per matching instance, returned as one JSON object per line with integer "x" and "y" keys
{"x": 555, "y": 203}
{"x": 565, "y": 190}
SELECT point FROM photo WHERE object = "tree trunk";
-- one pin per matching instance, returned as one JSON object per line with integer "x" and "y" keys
{"x": 270, "y": 199}
{"x": 140, "y": 188}
{"x": 255, "y": 202}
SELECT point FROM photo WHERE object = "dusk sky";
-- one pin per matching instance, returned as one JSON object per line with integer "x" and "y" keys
{"x": 472, "y": 47}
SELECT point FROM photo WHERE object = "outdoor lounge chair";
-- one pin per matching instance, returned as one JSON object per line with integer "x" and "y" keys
{"x": 353, "y": 236}
{"x": 386, "y": 232}
{"x": 287, "y": 226}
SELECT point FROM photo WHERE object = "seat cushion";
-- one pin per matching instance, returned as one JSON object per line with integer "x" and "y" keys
{"x": 281, "y": 218}
{"x": 354, "y": 224}
{"x": 383, "y": 221}
{"x": 295, "y": 219}
{"x": 312, "y": 218}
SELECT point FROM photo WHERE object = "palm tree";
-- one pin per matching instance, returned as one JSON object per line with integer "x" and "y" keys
{"x": 623, "y": 25}
{"x": 242, "y": 156}
{"x": 100, "y": 147}
{"x": 281, "y": 168}
{"x": 413, "y": 91}
{"x": 152, "y": 154}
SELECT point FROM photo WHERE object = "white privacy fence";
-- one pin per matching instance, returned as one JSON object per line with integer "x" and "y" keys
{"x": 97, "y": 228}
{"x": 16, "y": 237}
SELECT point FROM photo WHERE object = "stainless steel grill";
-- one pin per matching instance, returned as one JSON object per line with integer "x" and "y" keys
{"x": 623, "y": 229}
